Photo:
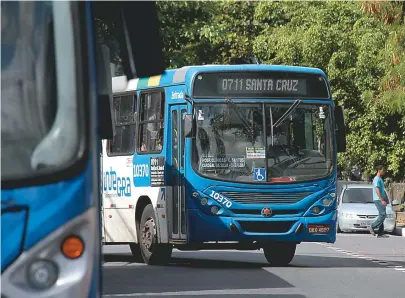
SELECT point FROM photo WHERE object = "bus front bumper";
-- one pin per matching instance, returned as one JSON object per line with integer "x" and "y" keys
{"x": 205, "y": 228}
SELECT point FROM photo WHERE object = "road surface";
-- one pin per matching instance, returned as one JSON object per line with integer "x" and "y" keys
{"x": 357, "y": 265}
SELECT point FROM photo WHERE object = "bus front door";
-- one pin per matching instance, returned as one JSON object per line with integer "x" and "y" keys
{"x": 176, "y": 198}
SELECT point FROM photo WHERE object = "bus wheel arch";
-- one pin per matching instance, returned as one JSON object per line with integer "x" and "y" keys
{"x": 143, "y": 201}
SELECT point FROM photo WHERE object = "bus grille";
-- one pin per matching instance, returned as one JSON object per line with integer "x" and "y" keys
{"x": 266, "y": 226}
{"x": 259, "y": 212}
{"x": 265, "y": 198}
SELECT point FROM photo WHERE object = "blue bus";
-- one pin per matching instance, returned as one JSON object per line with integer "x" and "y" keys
{"x": 56, "y": 103}
{"x": 223, "y": 157}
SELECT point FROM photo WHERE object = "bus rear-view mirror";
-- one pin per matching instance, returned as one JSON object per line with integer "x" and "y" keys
{"x": 340, "y": 129}
{"x": 189, "y": 126}
{"x": 137, "y": 34}
{"x": 140, "y": 49}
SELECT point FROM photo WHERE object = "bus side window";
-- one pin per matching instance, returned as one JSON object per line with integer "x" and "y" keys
{"x": 123, "y": 142}
{"x": 151, "y": 115}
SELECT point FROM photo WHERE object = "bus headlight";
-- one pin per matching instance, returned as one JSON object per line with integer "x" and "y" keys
{"x": 316, "y": 210}
{"x": 204, "y": 201}
{"x": 42, "y": 274}
{"x": 214, "y": 210}
{"x": 327, "y": 202}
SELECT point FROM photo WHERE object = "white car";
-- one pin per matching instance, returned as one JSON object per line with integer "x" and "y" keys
{"x": 356, "y": 209}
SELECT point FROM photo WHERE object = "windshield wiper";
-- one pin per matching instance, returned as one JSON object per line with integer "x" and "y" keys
{"x": 245, "y": 122}
{"x": 287, "y": 113}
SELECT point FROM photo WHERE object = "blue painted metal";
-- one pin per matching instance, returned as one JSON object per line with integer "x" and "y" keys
{"x": 49, "y": 207}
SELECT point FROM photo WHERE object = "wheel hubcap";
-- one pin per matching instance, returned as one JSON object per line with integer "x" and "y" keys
{"x": 148, "y": 233}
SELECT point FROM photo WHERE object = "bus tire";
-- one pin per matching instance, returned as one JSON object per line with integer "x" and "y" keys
{"x": 153, "y": 253}
{"x": 279, "y": 253}
{"x": 136, "y": 252}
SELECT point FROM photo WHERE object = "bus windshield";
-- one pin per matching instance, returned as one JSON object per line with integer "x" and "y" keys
{"x": 35, "y": 136}
{"x": 263, "y": 143}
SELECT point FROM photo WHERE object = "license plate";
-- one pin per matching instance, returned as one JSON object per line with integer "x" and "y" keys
{"x": 318, "y": 229}
{"x": 364, "y": 223}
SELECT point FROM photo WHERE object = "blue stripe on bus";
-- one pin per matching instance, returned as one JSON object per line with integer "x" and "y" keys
{"x": 50, "y": 206}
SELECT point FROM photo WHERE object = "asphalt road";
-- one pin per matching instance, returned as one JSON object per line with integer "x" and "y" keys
{"x": 357, "y": 265}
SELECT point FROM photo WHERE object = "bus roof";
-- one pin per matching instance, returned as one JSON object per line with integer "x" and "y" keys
{"x": 181, "y": 75}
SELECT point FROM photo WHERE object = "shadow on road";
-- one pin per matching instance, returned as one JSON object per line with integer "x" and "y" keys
{"x": 254, "y": 261}
{"x": 187, "y": 274}
{"x": 216, "y": 271}
{"x": 119, "y": 258}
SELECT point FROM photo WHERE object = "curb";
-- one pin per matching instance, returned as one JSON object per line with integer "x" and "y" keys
{"x": 400, "y": 231}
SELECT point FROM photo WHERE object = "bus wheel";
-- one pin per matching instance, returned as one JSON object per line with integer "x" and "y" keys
{"x": 136, "y": 252}
{"x": 279, "y": 253}
{"x": 153, "y": 253}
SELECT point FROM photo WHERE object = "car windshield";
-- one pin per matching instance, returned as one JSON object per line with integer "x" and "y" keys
{"x": 358, "y": 195}
{"x": 261, "y": 143}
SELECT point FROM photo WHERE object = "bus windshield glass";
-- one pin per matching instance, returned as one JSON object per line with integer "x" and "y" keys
{"x": 35, "y": 137}
{"x": 263, "y": 143}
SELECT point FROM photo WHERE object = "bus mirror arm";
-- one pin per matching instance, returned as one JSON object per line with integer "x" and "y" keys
{"x": 105, "y": 98}
{"x": 189, "y": 126}
{"x": 340, "y": 129}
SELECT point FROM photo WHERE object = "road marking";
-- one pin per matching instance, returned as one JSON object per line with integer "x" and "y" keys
{"x": 359, "y": 256}
{"x": 400, "y": 269}
{"x": 121, "y": 264}
{"x": 135, "y": 264}
{"x": 265, "y": 291}
{"x": 111, "y": 264}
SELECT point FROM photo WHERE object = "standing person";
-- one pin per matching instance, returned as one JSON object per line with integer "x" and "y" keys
{"x": 380, "y": 201}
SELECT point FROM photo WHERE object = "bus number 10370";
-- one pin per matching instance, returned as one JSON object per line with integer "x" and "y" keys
{"x": 220, "y": 199}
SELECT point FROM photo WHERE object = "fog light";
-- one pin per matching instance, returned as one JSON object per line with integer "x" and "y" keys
{"x": 316, "y": 210}
{"x": 204, "y": 201}
{"x": 214, "y": 210}
{"x": 327, "y": 202}
{"x": 42, "y": 274}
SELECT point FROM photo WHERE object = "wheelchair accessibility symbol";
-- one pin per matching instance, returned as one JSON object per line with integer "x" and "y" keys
{"x": 259, "y": 174}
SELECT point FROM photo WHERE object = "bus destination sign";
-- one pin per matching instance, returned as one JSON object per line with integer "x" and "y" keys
{"x": 269, "y": 84}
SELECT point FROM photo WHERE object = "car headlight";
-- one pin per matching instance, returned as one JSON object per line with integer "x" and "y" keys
{"x": 348, "y": 215}
{"x": 391, "y": 215}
